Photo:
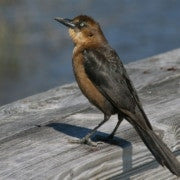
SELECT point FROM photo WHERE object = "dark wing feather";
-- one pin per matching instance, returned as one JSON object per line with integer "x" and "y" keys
{"x": 105, "y": 70}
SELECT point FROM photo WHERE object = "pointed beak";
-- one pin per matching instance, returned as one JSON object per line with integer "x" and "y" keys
{"x": 66, "y": 22}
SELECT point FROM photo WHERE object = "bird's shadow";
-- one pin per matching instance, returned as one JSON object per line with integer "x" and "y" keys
{"x": 80, "y": 132}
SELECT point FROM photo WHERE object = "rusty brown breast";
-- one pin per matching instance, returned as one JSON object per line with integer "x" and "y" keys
{"x": 86, "y": 86}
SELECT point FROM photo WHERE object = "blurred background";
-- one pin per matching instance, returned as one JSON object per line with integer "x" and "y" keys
{"x": 35, "y": 51}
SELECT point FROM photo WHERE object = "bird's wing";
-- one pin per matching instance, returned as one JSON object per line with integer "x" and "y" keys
{"x": 106, "y": 71}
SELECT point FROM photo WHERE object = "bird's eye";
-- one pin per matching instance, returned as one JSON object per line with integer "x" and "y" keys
{"x": 82, "y": 24}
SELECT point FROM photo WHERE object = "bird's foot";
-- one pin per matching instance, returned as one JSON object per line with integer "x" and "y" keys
{"x": 85, "y": 140}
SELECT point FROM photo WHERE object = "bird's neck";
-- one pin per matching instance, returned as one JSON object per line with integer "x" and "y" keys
{"x": 84, "y": 41}
{"x": 90, "y": 44}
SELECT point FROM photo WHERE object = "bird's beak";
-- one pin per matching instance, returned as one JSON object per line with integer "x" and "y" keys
{"x": 66, "y": 22}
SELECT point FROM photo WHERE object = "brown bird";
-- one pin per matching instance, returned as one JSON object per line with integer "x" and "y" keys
{"x": 103, "y": 79}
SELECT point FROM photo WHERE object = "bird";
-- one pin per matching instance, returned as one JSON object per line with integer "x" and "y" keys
{"x": 103, "y": 79}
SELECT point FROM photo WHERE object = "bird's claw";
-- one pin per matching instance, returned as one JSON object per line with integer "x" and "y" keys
{"x": 85, "y": 140}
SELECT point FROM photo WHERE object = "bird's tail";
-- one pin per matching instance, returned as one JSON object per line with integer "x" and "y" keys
{"x": 160, "y": 151}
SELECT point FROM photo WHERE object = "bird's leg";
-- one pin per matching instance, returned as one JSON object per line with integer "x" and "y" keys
{"x": 120, "y": 118}
{"x": 87, "y": 139}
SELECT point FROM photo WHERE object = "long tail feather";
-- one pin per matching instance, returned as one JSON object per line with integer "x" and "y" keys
{"x": 159, "y": 149}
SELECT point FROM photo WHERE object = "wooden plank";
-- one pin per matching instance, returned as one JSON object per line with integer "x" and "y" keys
{"x": 35, "y": 131}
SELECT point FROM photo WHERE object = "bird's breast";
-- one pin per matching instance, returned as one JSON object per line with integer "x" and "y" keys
{"x": 86, "y": 85}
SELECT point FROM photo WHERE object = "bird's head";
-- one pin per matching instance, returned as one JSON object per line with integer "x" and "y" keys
{"x": 83, "y": 30}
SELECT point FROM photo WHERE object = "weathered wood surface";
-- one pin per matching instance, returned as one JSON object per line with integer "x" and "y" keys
{"x": 34, "y": 132}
